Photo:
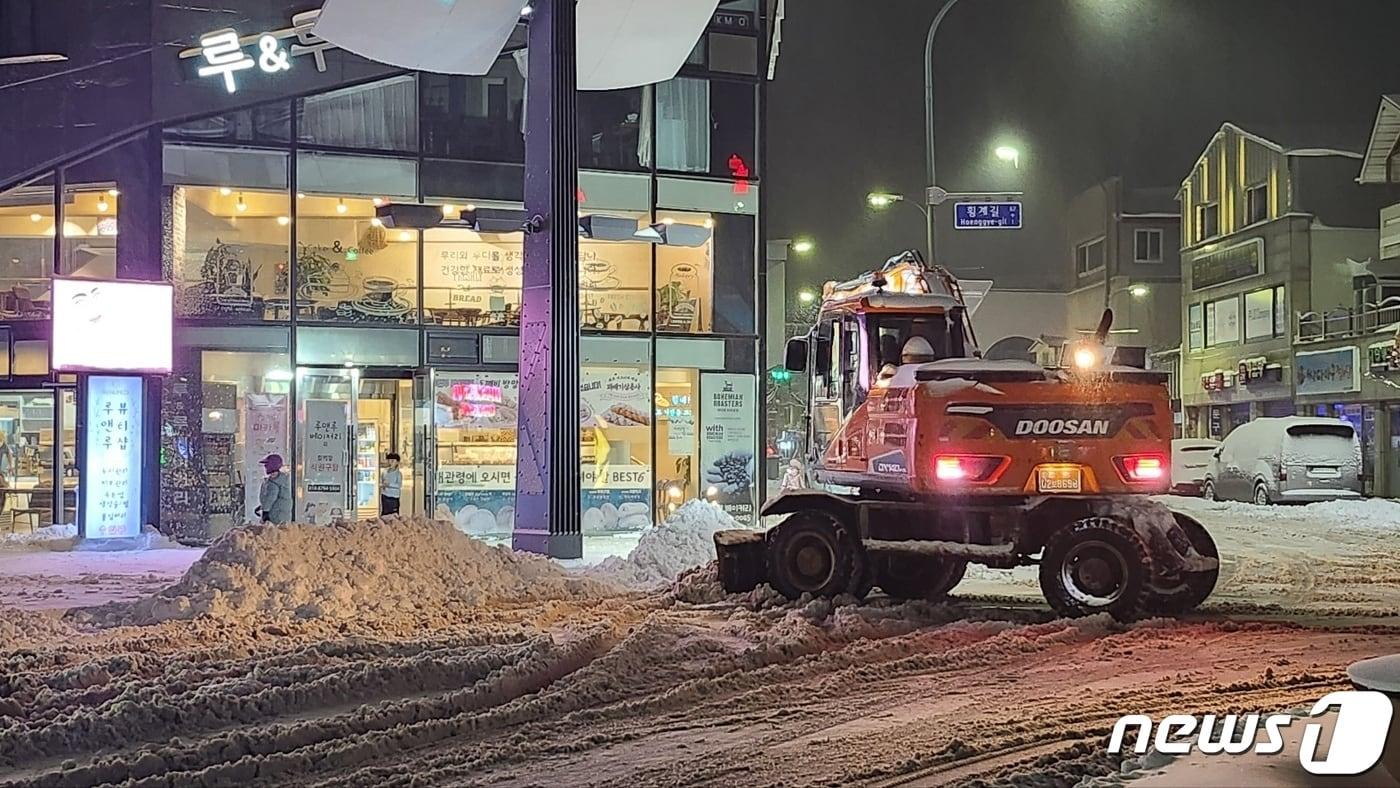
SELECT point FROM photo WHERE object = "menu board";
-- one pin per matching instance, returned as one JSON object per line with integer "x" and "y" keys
{"x": 264, "y": 433}
{"x": 325, "y": 455}
{"x": 112, "y": 476}
{"x": 728, "y": 416}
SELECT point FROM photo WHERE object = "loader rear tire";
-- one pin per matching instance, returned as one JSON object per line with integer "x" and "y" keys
{"x": 927, "y": 577}
{"x": 1096, "y": 565}
{"x": 810, "y": 553}
{"x": 1191, "y": 589}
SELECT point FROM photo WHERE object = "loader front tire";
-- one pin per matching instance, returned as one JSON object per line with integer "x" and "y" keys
{"x": 927, "y": 577}
{"x": 810, "y": 553}
{"x": 1191, "y": 588}
{"x": 1096, "y": 565}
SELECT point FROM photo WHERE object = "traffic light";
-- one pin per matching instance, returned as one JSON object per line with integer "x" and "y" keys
{"x": 779, "y": 375}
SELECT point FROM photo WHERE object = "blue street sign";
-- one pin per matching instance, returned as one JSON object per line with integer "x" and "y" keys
{"x": 987, "y": 216}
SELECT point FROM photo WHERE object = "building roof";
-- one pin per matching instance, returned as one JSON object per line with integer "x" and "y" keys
{"x": 1293, "y": 140}
{"x": 1153, "y": 201}
{"x": 1385, "y": 137}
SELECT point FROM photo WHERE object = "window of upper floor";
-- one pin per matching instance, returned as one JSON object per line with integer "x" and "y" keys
{"x": 1147, "y": 246}
{"x": 1207, "y": 221}
{"x": 1256, "y": 203}
{"x": 1089, "y": 257}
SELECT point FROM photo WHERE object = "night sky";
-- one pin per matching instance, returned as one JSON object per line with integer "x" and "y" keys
{"x": 1085, "y": 89}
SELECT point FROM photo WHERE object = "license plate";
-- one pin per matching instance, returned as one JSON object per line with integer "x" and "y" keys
{"x": 1058, "y": 480}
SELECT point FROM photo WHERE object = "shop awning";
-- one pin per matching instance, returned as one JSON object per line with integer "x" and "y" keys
{"x": 621, "y": 43}
{"x": 1385, "y": 135}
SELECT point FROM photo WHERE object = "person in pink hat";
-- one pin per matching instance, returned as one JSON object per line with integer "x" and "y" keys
{"x": 275, "y": 497}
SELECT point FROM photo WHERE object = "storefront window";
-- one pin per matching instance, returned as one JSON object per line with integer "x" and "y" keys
{"x": 474, "y": 279}
{"x": 26, "y": 252}
{"x": 27, "y": 460}
{"x": 90, "y": 231}
{"x": 612, "y": 130}
{"x": 474, "y": 415}
{"x": 264, "y": 124}
{"x": 685, "y": 278}
{"x": 221, "y": 416}
{"x": 616, "y": 414}
{"x": 677, "y": 440}
{"x": 378, "y": 116}
{"x": 350, "y": 267}
{"x": 230, "y": 248}
{"x": 475, "y": 117}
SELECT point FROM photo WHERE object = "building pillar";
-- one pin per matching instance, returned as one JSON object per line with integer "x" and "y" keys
{"x": 547, "y": 490}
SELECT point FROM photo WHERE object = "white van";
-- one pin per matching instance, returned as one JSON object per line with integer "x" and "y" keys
{"x": 1296, "y": 459}
{"x": 1191, "y": 459}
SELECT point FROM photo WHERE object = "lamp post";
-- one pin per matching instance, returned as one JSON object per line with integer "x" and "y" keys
{"x": 928, "y": 112}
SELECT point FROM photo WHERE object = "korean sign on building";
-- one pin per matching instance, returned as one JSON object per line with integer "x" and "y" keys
{"x": 112, "y": 481}
{"x": 1335, "y": 371}
{"x": 225, "y": 55}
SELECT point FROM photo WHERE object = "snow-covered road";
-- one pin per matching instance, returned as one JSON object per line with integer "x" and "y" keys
{"x": 421, "y": 681}
{"x": 1324, "y": 562}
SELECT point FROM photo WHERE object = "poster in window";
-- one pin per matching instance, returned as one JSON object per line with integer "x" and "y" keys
{"x": 1280, "y": 312}
{"x": 728, "y": 439}
{"x": 1258, "y": 314}
{"x": 1227, "y": 321}
{"x": 265, "y": 432}
{"x": 325, "y": 453}
{"x": 475, "y": 417}
{"x": 112, "y": 477}
{"x": 616, "y": 417}
{"x": 1197, "y": 335}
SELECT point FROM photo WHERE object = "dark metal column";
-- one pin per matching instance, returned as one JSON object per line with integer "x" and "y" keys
{"x": 547, "y": 508}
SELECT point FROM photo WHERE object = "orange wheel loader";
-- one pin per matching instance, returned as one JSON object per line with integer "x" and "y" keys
{"x": 924, "y": 457}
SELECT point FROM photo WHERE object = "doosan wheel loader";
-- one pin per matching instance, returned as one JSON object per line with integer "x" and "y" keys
{"x": 924, "y": 457}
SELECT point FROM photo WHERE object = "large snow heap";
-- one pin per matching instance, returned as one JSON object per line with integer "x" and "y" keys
{"x": 684, "y": 541}
{"x": 382, "y": 567}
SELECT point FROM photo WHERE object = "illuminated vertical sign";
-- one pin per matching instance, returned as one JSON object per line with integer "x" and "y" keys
{"x": 112, "y": 474}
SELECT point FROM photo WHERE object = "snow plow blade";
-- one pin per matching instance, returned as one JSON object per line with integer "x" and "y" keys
{"x": 743, "y": 560}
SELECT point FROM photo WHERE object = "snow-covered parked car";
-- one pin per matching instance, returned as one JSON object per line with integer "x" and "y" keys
{"x": 1295, "y": 459}
{"x": 1191, "y": 459}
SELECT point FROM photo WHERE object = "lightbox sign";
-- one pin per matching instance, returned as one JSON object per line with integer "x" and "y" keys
{"x": 112, "y": 471}
{"x": 224, "y": 54}
{"x": 109, "y": 326}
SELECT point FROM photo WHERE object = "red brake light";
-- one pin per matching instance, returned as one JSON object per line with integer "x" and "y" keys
{"x": 1142, "y": 467}
{"x": 968, "y": 467}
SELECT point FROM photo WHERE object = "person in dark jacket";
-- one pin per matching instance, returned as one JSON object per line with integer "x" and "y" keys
{"x": 275, "y": 497}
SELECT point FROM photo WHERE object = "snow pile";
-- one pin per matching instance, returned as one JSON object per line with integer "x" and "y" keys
{"x": 21, "y": 627}
{"x": 56, "y": 537}
{"x": 376, "y": 568}
{"x": 1377, "y": 513}
{"x": 684, "y": 541}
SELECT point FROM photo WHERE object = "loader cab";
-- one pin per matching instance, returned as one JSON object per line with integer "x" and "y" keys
{"x": 847, "y": 349}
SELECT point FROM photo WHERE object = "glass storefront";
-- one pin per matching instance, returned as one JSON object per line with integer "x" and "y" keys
{"x": 37, "y": 458}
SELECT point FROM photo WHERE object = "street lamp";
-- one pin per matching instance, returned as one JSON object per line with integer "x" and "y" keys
{"x": 1009, "y": 154}
{"x": 883, "y": 199}
{"x": 803, "y": 245}
{"x": 806, "y": 295}
{"x": 1139, "y": 291}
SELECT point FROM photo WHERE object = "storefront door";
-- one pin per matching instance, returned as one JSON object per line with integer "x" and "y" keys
{"x": 350, "y": 423}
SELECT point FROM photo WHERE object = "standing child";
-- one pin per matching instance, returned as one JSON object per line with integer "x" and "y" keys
{"x": 390, "y": 485}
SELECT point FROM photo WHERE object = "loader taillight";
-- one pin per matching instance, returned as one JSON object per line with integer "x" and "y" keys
{"x": 968, "y": 467}
{"x": 1142, "y": 467}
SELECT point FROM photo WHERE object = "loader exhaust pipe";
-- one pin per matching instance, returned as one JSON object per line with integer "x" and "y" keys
{"x": 1105, "y": 326}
